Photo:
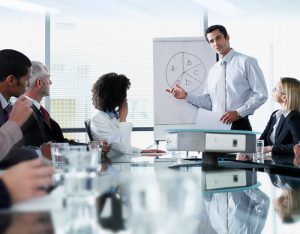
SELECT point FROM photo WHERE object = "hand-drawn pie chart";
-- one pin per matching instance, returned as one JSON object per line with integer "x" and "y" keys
{"x": 186, "y": 70}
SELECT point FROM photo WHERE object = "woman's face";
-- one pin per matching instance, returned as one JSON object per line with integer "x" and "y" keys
{"x": 278, "y": 95}
{"x": 281, "y": 202}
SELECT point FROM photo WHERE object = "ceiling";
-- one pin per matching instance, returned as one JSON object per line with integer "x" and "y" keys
{"x": 158, "y": 8}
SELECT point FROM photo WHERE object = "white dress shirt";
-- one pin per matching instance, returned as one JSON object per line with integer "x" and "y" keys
{"x": 106, "y": 127}
{"x": 246, "y": 88}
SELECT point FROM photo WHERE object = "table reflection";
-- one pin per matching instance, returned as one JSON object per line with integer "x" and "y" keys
{"x": 27, "y": 222}
{"x": 287, "y": 204}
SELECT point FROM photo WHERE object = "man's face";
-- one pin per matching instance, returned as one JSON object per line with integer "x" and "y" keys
{"x": 218, "y": 42}
{"x": 45, "y": 88}
{"x": 20, "y": 85}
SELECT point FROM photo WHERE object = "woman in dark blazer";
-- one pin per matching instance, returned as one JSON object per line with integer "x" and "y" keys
{"x": 283, "y": 129}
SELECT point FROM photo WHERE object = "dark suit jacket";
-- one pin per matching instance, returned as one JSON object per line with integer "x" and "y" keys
{"x": 1, "y": 115}
{"x": 36, "y": 131}
{"x": 287, "y": 133}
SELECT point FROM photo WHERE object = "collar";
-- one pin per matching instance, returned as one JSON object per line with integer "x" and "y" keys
{"x": 34, "y": 102}
{"x": 3, "y": 101}
{"x": 112, "y": 114}
{"x": 280, "y": 112}
{"x": 228, "y": 56}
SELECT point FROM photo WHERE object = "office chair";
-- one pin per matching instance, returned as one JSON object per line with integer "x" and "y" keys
{"x": 87, "y": 124}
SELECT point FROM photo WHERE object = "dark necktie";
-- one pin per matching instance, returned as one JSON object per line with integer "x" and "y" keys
{"x": 46, "y": 116}
{"x": 6, "y": 112}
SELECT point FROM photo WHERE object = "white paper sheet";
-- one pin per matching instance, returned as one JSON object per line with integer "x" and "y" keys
{"x": 210, "y": 120}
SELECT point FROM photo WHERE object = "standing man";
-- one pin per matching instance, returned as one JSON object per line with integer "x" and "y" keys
{"x": 235, "y": 85}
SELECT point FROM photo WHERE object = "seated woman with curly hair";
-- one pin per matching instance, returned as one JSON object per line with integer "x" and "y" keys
{"x": 109, "y": 123}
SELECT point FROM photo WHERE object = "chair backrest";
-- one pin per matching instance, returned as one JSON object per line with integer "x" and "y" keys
{"x": 87, "y": 124}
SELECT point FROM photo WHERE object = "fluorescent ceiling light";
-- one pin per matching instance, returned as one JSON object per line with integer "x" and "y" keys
{"x": 26, "y": 6}
{"x": 221, "y": 7}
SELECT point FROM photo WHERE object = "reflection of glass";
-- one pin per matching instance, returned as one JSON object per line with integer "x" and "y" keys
{"x": 81, "y": 216}
{"x": 79, "y": 174}
{"x": 162, "y": 204}
{"x": 26, "y": 222}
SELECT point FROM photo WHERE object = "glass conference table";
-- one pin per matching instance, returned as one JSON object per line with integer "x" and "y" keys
{"x": 164, "y": 197}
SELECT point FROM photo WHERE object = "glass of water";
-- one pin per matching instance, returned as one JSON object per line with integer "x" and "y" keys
{"x": 259, "y": 156}
{"x": 58, "y": 151}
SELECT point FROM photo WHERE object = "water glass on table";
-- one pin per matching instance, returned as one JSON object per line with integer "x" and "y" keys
{"x": 95, "y": 147}
{"x": 176, "y": 157}
{"x": 58, "y": 151}
{"x": 259, "y": 155}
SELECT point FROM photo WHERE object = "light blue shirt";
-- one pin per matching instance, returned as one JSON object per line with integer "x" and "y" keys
{"x": 246, "y": 88}
{"x": 112, "y": 114}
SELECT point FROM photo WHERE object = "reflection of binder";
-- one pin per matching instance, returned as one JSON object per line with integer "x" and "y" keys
{"x": 226, "y": 179}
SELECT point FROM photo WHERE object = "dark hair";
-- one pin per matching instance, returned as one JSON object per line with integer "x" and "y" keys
{"x": 110, "y": 91}
{"x": 14, "y": 63}
{"x": 215, "y": 27}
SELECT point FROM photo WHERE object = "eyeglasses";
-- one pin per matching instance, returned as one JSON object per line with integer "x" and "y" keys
{"x": 277, "y": 90}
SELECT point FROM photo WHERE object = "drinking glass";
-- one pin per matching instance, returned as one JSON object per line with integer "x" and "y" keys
{"x": 58, "y": 151}
{"x": 176, "y": 156}
{"x": 95, "y": 147}
{"x": 259, "y": 155}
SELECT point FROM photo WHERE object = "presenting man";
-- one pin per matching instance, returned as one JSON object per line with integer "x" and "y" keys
{"x": 235, "y": 85}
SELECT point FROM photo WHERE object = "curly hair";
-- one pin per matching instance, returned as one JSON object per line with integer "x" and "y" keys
{"x": 110, "y": 91}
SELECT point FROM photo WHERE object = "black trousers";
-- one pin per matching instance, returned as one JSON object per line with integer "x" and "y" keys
{"x": 242, "y": 124}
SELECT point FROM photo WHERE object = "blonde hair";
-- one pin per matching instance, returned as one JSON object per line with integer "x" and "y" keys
{"x": 286, "y": 211}
{"x": 291, "y": 88}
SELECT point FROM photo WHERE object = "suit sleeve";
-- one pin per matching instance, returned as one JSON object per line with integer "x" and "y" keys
{"x": 264, "y": 135}
{"x": 10, "y": 133}
{"x": 294, "y": 130}
{"x": 17, "y": 154}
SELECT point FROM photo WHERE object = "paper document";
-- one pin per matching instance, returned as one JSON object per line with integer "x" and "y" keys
{"x": 210, "y": 120}
{"x": 153, "y": 154}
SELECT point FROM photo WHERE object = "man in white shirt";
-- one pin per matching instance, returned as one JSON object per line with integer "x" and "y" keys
{"x": 244, "y": 86}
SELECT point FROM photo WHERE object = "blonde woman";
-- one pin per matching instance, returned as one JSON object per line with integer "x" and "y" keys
{"x": 283, "y": 129}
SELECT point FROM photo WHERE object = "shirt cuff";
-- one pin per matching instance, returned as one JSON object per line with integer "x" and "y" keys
{"x": 242, "y": 113}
